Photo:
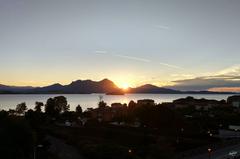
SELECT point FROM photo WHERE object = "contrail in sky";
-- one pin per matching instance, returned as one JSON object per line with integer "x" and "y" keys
{"x": 132, "y": 58}
{"x": 136, "y": 59}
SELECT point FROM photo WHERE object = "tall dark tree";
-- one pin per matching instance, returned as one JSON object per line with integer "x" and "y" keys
{"x": 21, "y": 108}
{"x": 132, "y": 104}
{"x": 56, "y": 105}
{"x": 61, "y": 104}
{"x": 79, "y": 110}
{"x": 50, "y": 108}
{"x": 38, "y": 107}
{"x": 102, "y": 104}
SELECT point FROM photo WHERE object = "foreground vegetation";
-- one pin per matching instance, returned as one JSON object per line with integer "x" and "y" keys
{"x": 135, "y": 130}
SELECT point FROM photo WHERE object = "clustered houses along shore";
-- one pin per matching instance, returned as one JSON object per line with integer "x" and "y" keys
{"x": 142, "y": 127}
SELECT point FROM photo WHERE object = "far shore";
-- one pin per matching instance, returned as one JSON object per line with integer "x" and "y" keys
{"x": 205, "y": 92}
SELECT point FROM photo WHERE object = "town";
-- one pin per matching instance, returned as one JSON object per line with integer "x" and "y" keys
{"x": 139, "y": 129}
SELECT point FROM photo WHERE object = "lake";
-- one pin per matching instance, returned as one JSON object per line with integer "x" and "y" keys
{"x": 91, "y": 100}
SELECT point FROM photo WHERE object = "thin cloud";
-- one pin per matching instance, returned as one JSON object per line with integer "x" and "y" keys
{"x": 132, "y": 58}
{"x": 137, "y": 59}
{"x": 226, "y": 79}
{"x": 182, "y": 75}
{"x": 204, "y": 83}
{"x": 122, "y": 56}
{"x": 233, "y": 70}
{"x": 164, "y": 27}
{"x": 171, "y": 66}
{"x": 101, "y": 52}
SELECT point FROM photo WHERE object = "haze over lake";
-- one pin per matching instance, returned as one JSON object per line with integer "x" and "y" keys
{"x": 91, "y": 100}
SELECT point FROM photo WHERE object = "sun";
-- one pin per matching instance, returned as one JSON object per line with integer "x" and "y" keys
{"x": 124, "y": 86}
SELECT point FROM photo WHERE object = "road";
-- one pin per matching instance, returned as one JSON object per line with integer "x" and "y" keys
{"x": 218, "y": 154}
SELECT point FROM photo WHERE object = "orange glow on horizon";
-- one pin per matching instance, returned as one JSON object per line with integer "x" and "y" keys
{"x": 225, "y": 89}
{"x": 124, "y": 82}
{"x": 124, "y": 86}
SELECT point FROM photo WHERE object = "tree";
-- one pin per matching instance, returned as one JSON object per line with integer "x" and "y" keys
{"x": 61, "y": 104}
{"x": 38, "y": 107}
{"x": 132, "y": 104}
{"x": 66, "y": 108}
{"x": 21, "y": 108}
{"x": 50, "y": 107}
{"x": 102, "y": 104}
{"x": 3, "y": 114}
{"x": 79, "y": 110}
{"x": 56, "y": 105}
{"x": 11, "y": 112}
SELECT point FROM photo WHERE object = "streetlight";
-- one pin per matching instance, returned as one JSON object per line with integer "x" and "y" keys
{"x": 209, "y": 153}
{"x": 182, "y": 130}
{"x": 35, "y": 149}
{"x": 130, "y": 151}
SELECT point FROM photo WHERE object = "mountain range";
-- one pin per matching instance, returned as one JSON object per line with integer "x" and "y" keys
{"x": 88, "y": 86}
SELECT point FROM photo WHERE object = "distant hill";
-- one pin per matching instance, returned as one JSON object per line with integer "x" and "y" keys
{"x": 55, "y": 88}
{"x": 89, "y": 86}
{"x": 5, "y": 88}
{"x": 148, "y": 88}
{"x": 80, "y": 87}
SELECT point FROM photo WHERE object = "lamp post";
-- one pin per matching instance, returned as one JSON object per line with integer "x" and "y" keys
{"x": 35, "y": 150}
{"x": 129, "y": 151}
{"x": 209, "y": 153}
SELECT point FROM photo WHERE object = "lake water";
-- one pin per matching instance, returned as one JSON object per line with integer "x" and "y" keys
{"x": 91, "y": 100}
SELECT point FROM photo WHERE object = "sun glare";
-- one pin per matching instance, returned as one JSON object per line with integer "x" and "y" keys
{"x": 125, "y": 86}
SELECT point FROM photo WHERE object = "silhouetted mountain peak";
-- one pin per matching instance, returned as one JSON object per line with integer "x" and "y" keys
{"x": 56, "y": 84}
{"x": 50, "y": 88}
{"x": 74, "y": 82}
{"x": 148, "y": 86}
{"x": 14, "y": 88}
{"x": 1, "y": 85}
{"x": 82, "y": 81}
{"x": 106, "y": 81}
{"x": 89, "y": 86}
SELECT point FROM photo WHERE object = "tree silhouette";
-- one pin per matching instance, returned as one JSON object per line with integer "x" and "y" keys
{"x": 38, "y": 107}
{"x": 132, "y": 104}
{"x": 50, "y": 107}
{"x": 21, "y": 108}
{"x": 102, "y": 104}
{"x": 56, "y": 105}
{"x": 79, "y": 110}
{"x": 61, "y": 104}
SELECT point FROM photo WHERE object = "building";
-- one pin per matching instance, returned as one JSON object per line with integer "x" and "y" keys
{"x": 234, "y": 127}
{"x": 234, "y": 101}
{"x": 118, "y": 109}
{"x": 146, "y": 102}
{"x": 198, "y": 104}
{"x": 116, "y": 105}
{"x": 103, "y": 114}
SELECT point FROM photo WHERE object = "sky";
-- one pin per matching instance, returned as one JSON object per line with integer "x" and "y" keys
{"x": 181, "y": 44}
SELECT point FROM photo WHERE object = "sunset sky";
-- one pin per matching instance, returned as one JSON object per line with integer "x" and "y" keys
{"x": 183, "y": 44}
